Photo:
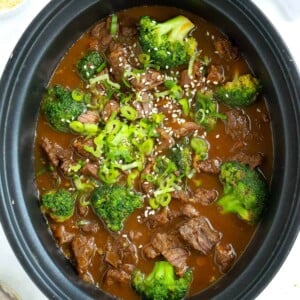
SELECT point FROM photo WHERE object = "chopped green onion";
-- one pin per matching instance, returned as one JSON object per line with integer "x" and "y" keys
{"x": 185, "y": 106}
{"x": 131, "y": 177}
{"x": 191, "y": 64}
{"x": 77, "y": 126}
{"x": 144, "y": 59}
{"x": 114, "y": 25}
{"x": 147, "y": 147}
{"x": 101, "y": 67}
{"x": 128, "y": 112}
{"x": 200, "y": 146}
{"x": 77, "y": 95}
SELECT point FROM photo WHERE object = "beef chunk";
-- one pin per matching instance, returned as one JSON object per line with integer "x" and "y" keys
{"x": 128, "y": 31}
{"x": 110, "y": 107}
{"x": 195, "y": 79}
{"x": 199, "y": 233}
{"x": 115, "y": 276}
{"x": 215, "y": 74}
{"x": 237, "y": 124}
{"x": 159, "y": 218}
{"x": 185, "y": 129}
{"x": 225, "y": 49}
{"x": 181, "y": 195}
{"x": 189, "y": 211}
{"x": 224, "y": 256}
{"x": 144, "y": 107}
{"x": 61, "y": 234}
{"x": 83, "y": 249}
{"x": 79, "y": 145}
{"x": 118, "y": 59}
{"x": 57, "y": 156}
{"x": 252, "y": 160}
{"x": 101, "y": 36}
{"x": 112, "y": 258}
{"x": 171, "y": 248}
{"x": 147, "y": 81}
{"x": 204, "y": 196}
{"x": 90, "y": 227}
{"x": 209, "y": 166}
{"x": 166, "y": 141}
{"x": 90, "y": 117}
{"x": 90, "y": 169}
{"x": 150, "y": 252}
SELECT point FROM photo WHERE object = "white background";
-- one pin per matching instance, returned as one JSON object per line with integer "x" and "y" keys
{"x": 285, "y": 16}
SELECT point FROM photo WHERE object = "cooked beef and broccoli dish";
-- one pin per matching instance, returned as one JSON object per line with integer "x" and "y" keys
{"x": 153, "y": 154}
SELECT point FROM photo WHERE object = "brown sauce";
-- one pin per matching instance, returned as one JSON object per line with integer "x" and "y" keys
{"x": 222, "y": 146}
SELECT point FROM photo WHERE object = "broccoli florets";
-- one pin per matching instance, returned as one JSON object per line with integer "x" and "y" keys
{"x": 245, "y": 191}
{"x": 90, "y": 64}
{"x": 113, "y": 204}
{"x": 59, "y": 107}
{"x": 167, "y": 43}
{"x": 242, "y": 91}
{"x": 206, "y": 110}
{"x": 181, "y": 155}
{"x": 161, "y": 283}
{"x": 58, "y": 204}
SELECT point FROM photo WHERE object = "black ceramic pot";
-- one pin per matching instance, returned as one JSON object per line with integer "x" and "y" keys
{"x": 28, "y": 72}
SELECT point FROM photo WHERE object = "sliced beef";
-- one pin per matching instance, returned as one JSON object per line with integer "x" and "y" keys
{"x": 61, "y": 234}
{"x": 147, "y": 81}
{"x": 252, "y": 160}
{"x": 215, "y": 74}
{"x": 224, "y": 256}
{"x": 238, "y": 124}
{"x": 90, "y": 117}
{"x": 185, "y": 129}
{"x": 58, "y": 157}
{"x": 199, "y": 233}
{"x": 116, "y": 276}
{"x": 166, "y": 140}
{"x": 118, "y": 59}
{"x": 209, "y": 166}
{"x": 84, "y": 249}
{"x": 110, "y": 107}
{"x": 225, "y": 49}
{"x": 205, "y": 196}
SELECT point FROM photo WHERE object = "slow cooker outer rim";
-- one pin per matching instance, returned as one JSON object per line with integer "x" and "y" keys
{"x": 9, "y": 218}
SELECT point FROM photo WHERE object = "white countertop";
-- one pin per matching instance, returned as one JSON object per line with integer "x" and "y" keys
{"x": 285, "y": 17}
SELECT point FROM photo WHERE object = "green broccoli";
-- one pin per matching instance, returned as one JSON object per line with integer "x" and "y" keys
{"x": 181, "y": 155}
{"x": 164, "y": 181}
{"x": 113, "y": 204}
{"x": 206, "y": 110}
{"x": 242, "y": 91}
{"x": 245, "y": 191}
{"x": 59, "y": 204}
{"x": 60, "y": 108}
{"x": 167, "y": 43}
{"x": 90, "y": 64}
{"x": 161, "y": 283}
